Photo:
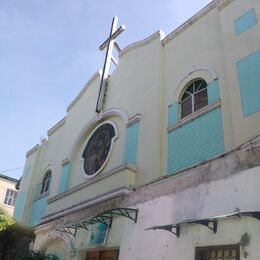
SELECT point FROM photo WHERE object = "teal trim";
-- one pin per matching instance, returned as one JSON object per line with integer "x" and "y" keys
{"x": 37, "y": 211}
{"x": 64, "y": 178}
{"x": 131, "y": 143}
{"x": 213, "y": 92}
{"x": 248, "y": 70}
{"x": 19, "y": 205}
{"x": 173, "y": 113}
{"x": 196, "y": 141}
{"x": 245, "y": 22}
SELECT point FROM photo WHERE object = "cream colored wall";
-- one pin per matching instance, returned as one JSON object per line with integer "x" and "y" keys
{"x": 4, "y": 185}
{"x": 200, "y": 45}
{"x": 137, "y": 78}
{"x": 69, "y": 141}
{"x": 235, "y": 49}
{"x": 211, "y": 41}
{"x": 145, "y": 82}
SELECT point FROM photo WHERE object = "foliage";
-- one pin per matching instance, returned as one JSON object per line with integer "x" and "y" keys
{"x": 5, "y": 220}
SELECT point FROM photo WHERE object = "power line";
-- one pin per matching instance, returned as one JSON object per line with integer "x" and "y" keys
{"x": 11, "y": 170}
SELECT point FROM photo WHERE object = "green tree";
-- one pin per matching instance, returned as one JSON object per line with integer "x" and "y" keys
{"x": 5, "y": 220}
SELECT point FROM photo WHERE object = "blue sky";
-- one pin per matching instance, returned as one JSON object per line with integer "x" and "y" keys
{"x": 49, "y": 50}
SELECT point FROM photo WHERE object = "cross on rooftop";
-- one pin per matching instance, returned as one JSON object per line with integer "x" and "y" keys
{"x": 109, "y": 44}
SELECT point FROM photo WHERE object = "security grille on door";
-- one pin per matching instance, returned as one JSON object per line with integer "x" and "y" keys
{"x": 230, "y": 252}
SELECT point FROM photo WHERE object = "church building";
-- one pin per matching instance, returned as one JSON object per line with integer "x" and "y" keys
{"x": 160, "y": 159}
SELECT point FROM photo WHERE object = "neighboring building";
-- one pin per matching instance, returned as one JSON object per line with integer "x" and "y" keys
{"x": 8, "y": 193}
{"x": 170, "y": 167}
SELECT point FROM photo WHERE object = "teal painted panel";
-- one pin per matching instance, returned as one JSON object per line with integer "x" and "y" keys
{"x": 131, "y": 143}
{"x": 196, "y": 141}
{"x": 64, "y": 178}
{"x": 19, "y": 205}
{"x": 173, "y": 114}
{"x": 37, "y": 211}
{"x": 213, "y": 91}
{"x": 245, "y": 22}
{"x": 248, "y": 70}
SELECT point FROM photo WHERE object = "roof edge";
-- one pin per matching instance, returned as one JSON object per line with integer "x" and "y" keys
{"x": 56, "y": 126}
{"x": 8, "y": 178}
{"x": 31, "y": 151}
{"x": 201, "y": 13}
{"x": 74, "y": 101}
{"x": 159, "y": 34}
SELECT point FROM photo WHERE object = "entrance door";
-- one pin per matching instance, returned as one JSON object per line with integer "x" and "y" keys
{"x": 103, "y": 255}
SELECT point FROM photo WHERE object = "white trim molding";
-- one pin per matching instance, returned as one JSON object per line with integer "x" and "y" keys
{"x": 220, "y": 4}
{"x": 86, "y": 204}
{"x": 105, "y": 175}
{"x": 89, "y": 126}
{"x": 159, "y": 34}
{"x": 205, "y": 72}
{"x": 193, "y": 116}
{"x": 96, "y": 75}
{"x": 56, "y": 127}
{"x": 31, "y": 151}
{"x": 110, "y": 149}
{"x": 134, "y": 119}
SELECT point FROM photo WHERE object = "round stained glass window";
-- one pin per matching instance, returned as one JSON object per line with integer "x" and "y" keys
{"x": 97, "y": 149}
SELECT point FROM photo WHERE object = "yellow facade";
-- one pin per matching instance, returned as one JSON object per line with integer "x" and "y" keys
{"x": 141, "y": 170}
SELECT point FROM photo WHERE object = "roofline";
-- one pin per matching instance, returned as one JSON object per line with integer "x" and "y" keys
{"x": 159, "y": 34}
{"x": 74, "y": 101}
{"x": 209, "y": 7}
{"x": 8, "y": 178}
{"x": 56, "y": 126}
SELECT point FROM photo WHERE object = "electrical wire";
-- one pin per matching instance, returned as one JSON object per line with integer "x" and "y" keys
{"x": 11, "y": 170}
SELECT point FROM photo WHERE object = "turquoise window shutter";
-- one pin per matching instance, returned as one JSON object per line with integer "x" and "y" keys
{"x": 173, "y": 114}
{"x": 131, "y": 143}
{"x": 245, "y": 22}
{"x": 195, "y": 141}
{"x": 213, "y": 92}
{"x": 65, "y": 178}
{"x": 248, "y": 70}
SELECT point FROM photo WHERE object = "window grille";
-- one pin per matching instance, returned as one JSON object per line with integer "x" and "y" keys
{"x": 228, "y": 252}
{"x": 194, "y": 97}
{"x": 10, "y": 197}
{"x": 45, "y": 185}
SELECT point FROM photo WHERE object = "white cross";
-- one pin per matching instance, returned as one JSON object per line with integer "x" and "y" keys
{"x": 109, "y": 44}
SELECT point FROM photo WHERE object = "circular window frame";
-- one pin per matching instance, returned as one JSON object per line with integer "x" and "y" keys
{"x": 109, "y": 153}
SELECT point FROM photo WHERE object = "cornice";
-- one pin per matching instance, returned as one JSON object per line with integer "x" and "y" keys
{"x": 194, "y": 115}
{"x": 107, "y": 174}
{"x": 31, "y": 151}
{"x": 111, "y": 195}
{"x": 224, "y": 4}
{"x": 159, "y": 34}
{"x": 220, "y": 4}
{"x": 57, "y": 126}
{"x": 97, "y": 74}
{"x": 134, "y": 119}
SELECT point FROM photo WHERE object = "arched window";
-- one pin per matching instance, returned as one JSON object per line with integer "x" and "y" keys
{"x": 45, "y": 184}
{"x": 194, "y": 97}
